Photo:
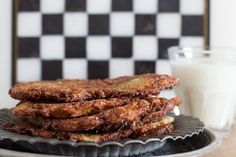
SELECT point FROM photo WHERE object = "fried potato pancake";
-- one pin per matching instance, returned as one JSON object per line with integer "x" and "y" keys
{"x": 27, "y": 129}
{"x": 152, "y": 129}
{"x": 79, "y": 90}
{"x": 72, "y": 109}
{"x": 154, "y": 115}
{"x": 67, "y": 110}
{"x": 118, "y": 116}
{"x": 124, "y": 116}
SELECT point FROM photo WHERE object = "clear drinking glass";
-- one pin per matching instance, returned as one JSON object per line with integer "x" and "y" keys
{"x": 208, "y": 85}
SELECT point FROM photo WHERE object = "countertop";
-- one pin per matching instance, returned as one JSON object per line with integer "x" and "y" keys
{"x": 227, "y": 147}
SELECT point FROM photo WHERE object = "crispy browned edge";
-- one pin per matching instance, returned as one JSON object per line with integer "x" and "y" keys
{"x": 78, "y": 90}
{"x": 118, "y": 116}
{"x": 115, "y": 118}
{"x": 69, "y": 110}
{"x": 27, "y": 129}
{"x": 158, "y": 111}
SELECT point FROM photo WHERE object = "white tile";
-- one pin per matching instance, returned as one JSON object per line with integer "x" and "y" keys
{"x": 192, "y": 41}
{"x": 163, "y": 67}
{"x": 145, "y": 47}
{"x": 145, "y": 6}
{"x": 75, "y": 24}
{"x": 121, "y": 67}
{"x": 29, "y": 24}
{"x": 122, "y": 24}
{"x": 98, "y": 6}
{"x": 52, "y": 6}
{"x": 98, "y": 47}
{"x": 192, "y": 6}
{"x": 52, "y": 47}
{"x": 169, "y": 25}
{"x": 75, "y": 69}
{"x": 28, "y": 70}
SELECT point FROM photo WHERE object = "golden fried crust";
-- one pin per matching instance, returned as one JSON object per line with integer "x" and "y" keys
{"x": 119, "y": 117}
{"x": 149, "y": 128}
{"x": 153, "y": 131}
{"x": 114, "y": 116}
{"x": 160, "y": 107}
{"x": 27, "y": 129}
{"x": 67, "y": 110}
{"x": 78, "y": 90}
{"x": 73, "y": 109}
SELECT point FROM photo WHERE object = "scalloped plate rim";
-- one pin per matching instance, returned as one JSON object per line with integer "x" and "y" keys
{"x": 215, "y": 142}
{"x": 4, "y": 134}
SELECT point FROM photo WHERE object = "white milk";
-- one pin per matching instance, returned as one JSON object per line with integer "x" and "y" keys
{"x": 208, "y": 90}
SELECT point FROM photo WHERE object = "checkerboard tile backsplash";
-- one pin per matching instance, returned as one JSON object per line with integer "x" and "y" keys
{"x": 102, "y": 38}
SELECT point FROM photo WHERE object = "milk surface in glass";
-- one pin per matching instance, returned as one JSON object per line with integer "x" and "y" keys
{"x": 208, "y": 89}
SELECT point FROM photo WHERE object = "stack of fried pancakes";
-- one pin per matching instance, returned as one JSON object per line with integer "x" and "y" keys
{"x": 94, "y": 110}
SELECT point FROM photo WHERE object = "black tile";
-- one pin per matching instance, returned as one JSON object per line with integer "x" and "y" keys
{"x": 122, "y": 47}
{"x": 163, "y": 45}
{"x": 98, "y": 69}
{"x": 75, "y": 5}
{"x": 192, "y": 25}
{"x": 75, "y": 48}
{"x": 98, "y": 24}
{"x": 145, "y": 24}
{"x": 28, "y": 47}
{"x": 168, "y": 5}
{"x": 142, "y": 67}
{"x": 122, "y": 5}
{"x": 28, "y": 5}
{"x": 51, "y": 69}
{"x": 53, "y": 24}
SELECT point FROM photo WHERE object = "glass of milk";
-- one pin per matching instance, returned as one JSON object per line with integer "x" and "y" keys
{"x": 208, "y": 84}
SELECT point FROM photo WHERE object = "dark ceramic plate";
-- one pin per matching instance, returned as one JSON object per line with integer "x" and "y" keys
{"x": 184, "y": 126}
{"x": 197, "y": 145}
